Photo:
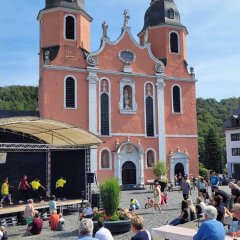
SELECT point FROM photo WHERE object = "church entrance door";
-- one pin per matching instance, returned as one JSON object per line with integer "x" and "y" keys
{"x": 128, "y": 173}
{"x": 179, "y": 168}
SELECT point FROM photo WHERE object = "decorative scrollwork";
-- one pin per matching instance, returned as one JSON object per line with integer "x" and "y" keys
{"x": 92, "y": 60}
{"x": 159, "y": 67}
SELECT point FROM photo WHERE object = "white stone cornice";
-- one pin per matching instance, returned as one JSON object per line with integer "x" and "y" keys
{"x": 111, "y": 72}
{"x": 180, "y": 136}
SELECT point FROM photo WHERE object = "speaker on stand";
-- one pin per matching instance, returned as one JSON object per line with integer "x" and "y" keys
{"x": 90, "y": 177}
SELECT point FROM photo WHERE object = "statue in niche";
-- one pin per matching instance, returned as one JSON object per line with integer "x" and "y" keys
{"x": 47, "y": 57}
{"x": 150, "y": 159}
{"x": 126, "y": 18}
{"x": 126, "y": 99}
{"x": 104, "y": 29}
{"x": 149, "y": 90}
{"x": 104, "y": 86}
{"x": 105, "y": 159}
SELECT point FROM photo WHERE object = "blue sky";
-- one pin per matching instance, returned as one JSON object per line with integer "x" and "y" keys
{"x": 212, "y": 43}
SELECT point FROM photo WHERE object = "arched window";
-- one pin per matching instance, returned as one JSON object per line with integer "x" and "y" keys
{"x": 171, "y": 13}
{"x": 174, "y": 43}
{"x": 105, "y": 159}
{"x": 150, "y": 156}
{"x": 104, "y": 114}
{"x": 70, "y": 92}
{"x": 176, "y": 97}
{"x": 149, "y": 117}
{"x": 70, "y": 27}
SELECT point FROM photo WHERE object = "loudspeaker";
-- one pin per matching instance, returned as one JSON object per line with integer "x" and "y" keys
{"x": 90, "y": 177}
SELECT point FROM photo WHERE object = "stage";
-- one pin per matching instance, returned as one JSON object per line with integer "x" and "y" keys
{"x": 14, "y": 209}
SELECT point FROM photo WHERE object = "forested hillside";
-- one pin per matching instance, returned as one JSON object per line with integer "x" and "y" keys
{"x": 18, "y": 98}
{"x": 210, "y": 112}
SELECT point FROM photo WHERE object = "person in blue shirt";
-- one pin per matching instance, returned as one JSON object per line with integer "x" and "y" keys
{"x": 211, "y": 229}
{"x": 214, "y": 180}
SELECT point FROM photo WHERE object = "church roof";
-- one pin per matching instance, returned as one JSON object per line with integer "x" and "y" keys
{"x": 162, "y": 12}
{"x": 74, "y": 4}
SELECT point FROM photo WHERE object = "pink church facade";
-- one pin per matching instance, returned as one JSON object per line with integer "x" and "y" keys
{"x": 138, "y": 96}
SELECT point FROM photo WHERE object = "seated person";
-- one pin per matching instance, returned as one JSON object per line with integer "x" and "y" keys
{"x": 3, "y": 233}
{"x": 184, "y": 216}
{"x": 138, "y": 229}
{"x": 53, "y": 220}
{"x": 36, "y": 226}
{"x": 200, "y": 205}
{"x": 211, "y": 228}
{"x": 134, "y": 204}
{"x": 221, "y": 210}
{"x": 86, "y": 229}
{"x": 87, "y": 211}
{"x": 60, "y": 222}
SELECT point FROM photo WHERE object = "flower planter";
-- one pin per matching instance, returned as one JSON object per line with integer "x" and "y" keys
{"x": 120, "y": 226}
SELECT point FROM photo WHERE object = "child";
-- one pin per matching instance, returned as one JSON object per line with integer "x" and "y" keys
{"x": 87, "y": 211}
{"x": 134, "y": 204}
{"x": 60, "y": 222}
{"x": 3, "y": 233}
{"x": 29, "y": 211}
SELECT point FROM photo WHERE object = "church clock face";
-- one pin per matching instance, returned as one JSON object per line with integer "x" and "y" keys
{"x": 127, "y": 56}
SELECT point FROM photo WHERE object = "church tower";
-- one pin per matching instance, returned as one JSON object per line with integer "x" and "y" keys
{"x": 166, "y": 34}
{"x": 64, "y": 43}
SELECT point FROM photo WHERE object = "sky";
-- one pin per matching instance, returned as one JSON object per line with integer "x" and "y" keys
{"x": 212, "y": 44}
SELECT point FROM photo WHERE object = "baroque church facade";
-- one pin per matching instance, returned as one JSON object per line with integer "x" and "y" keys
{"x": 137, "y": 95}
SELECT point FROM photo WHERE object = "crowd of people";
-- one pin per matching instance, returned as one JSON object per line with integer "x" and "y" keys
{"x": 212, "y": 203}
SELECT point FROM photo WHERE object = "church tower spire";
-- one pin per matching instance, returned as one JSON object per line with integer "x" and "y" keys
{"x": 166, "y": 33}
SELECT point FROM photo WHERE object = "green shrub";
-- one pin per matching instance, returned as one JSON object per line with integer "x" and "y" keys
{"x": 110, "y": 194}
{"x": 203, "y": 171}
{"x": 159, "y": 169}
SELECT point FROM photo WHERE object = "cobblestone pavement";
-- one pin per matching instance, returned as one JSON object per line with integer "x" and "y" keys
{"x": 151, "y": 217}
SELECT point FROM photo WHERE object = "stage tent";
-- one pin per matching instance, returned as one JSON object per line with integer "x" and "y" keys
{"x": 57, "y": 148}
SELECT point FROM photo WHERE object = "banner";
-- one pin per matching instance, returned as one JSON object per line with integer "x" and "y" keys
{"x": 3, "y": 157}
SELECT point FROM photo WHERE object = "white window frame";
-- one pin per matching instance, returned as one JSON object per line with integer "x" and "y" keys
{"x": 154, "y": 108}
{"x": 100, "y": 159}
{"x": 155, "y": 157}
{"x": 99, "y": 100}
{"x": 64, "y": 33}
{"x": 181, "y": 106}
{"x": 179, "y": 46}
{"x": 127, "y": 82}
{"x": 75, "y": 92}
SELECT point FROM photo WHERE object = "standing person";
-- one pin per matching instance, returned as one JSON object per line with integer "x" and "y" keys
{"x": 214, "y": 181}
{"x": 175, "y": 180}
{"x": 211, "y": 228}
{"x": 157, "y": 196}
{"x": 185, "y": 188}
{"x": 86, "y": 229}
{"x": 180, "y": 179}
{"x": 138, "y": 229}
{"x": 23, "y": 188}
{"x": 5, "y": 192}
{"x": 53, "y": 220}
{"x": 60, "y": 187}
{"x": 29, "y": 211}
{"x": 36, "y": 226}
{"x": 35, "y": 189}
{"x": 103, "y": 233}
{"x": 52, "y": 204}
{"x": 203, "y": 188}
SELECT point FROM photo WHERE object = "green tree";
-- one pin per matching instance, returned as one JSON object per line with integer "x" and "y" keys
{"x": 159, "y": 169}
{"x": 213, "y": 151}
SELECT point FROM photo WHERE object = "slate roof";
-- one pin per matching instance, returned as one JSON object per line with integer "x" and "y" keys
{"x": 234, "y": 121}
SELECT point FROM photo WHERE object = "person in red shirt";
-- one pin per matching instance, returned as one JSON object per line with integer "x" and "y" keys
{"x": 53, "y": 220}
{"x": 23, "y": 188}
{"x": 36, "y": 226}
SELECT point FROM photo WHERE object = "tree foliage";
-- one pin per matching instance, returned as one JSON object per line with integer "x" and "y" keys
{"x": 159, "y": 169}
{"x": 18, "y": 98}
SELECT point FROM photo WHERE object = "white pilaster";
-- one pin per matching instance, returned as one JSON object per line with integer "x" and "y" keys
{"x": 161, "y": 118}
{"x": 142, "y": 170}
{"x": 92, "y": 111}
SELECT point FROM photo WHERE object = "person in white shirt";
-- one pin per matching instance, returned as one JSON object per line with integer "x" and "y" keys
{"x": 103, "y": 233}
{"x": 87, "y": 211}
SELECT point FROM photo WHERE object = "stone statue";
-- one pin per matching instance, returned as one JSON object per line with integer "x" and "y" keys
{"x": 104, "y": 29}
{"x": 145, "y": 36}
{"x": 47, "y": 57}
{"x": 126, "y": 18}
{"x": 126, "y": 99}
